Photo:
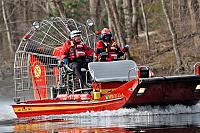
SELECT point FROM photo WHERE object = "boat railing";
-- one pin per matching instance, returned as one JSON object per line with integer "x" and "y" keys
{"x": 36, "y": 64}
{"x": 89, "y": 75}
{"x": 135, "y": 69}
{"x": 112, "y": 71}
{"x": 69, "y": 82}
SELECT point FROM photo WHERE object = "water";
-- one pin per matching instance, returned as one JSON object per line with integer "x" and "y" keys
{"x": 177, "y": 118}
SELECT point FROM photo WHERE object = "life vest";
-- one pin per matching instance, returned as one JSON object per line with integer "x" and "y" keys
{"x": 109, "y": 52}
{"x": 113, "y": 52}
{"x": 77, "y": 52}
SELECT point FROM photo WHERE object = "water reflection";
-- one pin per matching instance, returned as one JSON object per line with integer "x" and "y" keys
{"x": 131, "y": 121}
{"x": 40, "y": 128}
{"x": 181, "y": 123}
{"x": 63, "y": 127}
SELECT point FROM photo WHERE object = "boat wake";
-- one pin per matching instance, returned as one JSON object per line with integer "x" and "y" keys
{"x": 140, "y": 111}
{"x": 6, "y": 112}
{"x": 136, "y": 117}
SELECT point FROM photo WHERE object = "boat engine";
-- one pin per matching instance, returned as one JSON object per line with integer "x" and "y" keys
{"x": 143, "y": 72}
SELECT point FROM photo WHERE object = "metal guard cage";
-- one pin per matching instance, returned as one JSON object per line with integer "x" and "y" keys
{"x": 35, "y": 66}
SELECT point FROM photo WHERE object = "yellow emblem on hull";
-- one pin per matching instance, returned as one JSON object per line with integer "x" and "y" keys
{"x": 37, "y": 71}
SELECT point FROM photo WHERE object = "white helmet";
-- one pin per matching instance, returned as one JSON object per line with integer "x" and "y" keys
{"x": 75, "y": 33}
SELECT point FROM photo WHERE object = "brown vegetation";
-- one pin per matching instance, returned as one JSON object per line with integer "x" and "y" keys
{"x": 162, "y": 34}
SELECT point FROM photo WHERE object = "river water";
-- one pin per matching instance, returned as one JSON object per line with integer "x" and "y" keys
{"x": 162, "y": 119}
{"x": 176, "y": 118}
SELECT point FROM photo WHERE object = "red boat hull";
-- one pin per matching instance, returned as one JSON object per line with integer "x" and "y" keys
{"x": 27, "y": 110}
{"x": 111, "y": 101}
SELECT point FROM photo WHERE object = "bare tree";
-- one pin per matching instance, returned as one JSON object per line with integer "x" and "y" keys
{"x": 110, "y": 25}
{"x": 127, "y": 17}
{"x": 111, "y": 19}
{"x": 113, "y": 14}
{"x": 145, "y": 25}
{"x": 135, "y": 17}
{"x": 45, "y": 5}
{"x": 117, "y": 22}
{"x": 51, "y": 5}
{"x": 182, "y": 11}
{"x": 95, "y": 11}
{"x": 195, "y": 20}
{"x": 60, "y": 7}
{"x": 199, "y": 2}
{"x": 121, "y": 15}
{"x": 7, "y": 28}
{"x": 174, "y": 36}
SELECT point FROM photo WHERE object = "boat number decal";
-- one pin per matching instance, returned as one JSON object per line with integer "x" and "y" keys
{"x": 37, "y": 71}
{"x": 22, "y": 109}
{"x": 112, "y": 96}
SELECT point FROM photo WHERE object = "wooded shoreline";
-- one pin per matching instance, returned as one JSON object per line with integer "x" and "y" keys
{"x": 172, "y": 49}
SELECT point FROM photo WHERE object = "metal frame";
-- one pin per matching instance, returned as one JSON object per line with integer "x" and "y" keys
{"x": 38, "y": 44}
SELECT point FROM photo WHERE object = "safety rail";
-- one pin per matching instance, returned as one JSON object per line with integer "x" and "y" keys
{"x": 36, "y": 59}
{"x": 135, "y": 69}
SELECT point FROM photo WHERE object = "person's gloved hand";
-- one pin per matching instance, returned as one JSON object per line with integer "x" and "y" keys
{"x": 103, "y": 54}
{"x": 65, "y": 61}
{"x": 60, "y": 63}
{"x": 126, "y": 48}
{"x": 89, "y": 59}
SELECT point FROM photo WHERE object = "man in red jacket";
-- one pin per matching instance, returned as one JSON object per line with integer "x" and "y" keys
{"x": 107, "y": 49}
{"x": 77, "y": 54}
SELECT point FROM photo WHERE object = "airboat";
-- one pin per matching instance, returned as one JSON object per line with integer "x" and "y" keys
{"x": 43, "y": 88}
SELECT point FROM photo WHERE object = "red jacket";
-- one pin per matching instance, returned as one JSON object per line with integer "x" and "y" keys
{"x": 108, "y": 52}
{"x": 80, "y": 50}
